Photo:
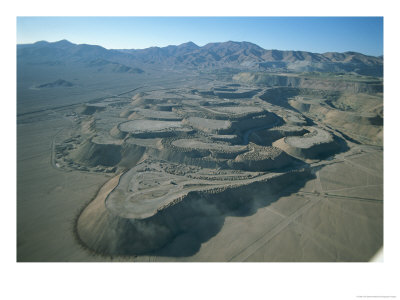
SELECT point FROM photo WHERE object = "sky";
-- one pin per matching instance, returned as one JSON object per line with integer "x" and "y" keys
{"x": 314, "y": 34}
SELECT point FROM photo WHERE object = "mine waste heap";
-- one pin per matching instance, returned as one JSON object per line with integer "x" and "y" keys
{"x": 179, "y": 153}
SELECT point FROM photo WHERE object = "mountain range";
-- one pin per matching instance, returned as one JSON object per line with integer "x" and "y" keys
{"x": 237, "y": 55}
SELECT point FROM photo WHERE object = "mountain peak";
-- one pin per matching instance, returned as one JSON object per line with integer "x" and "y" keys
{"x": 189, "y": 44}
{"x": 230, "y": 44}
{"x": 39, "y": 43}
{"x": 63, "y": 42}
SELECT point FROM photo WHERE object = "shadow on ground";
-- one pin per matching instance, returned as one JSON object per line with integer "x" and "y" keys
{"x": 179, "y": 230}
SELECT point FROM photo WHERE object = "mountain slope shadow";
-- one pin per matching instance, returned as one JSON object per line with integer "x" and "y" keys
{"x": 179, "y": 230}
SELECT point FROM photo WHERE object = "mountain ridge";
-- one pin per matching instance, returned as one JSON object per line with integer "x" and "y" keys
{"x": 208, "y": 45}
{"x": 242, "y": 55}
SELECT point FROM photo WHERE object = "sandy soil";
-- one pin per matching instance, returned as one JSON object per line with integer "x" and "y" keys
{"x": 49, "y": 199}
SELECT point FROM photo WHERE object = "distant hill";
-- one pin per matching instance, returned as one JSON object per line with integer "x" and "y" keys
{"x": 242, "y": 55}
{"x": 63, "y": 51}
{"x": 102, "y": 64}
{"x": 57, "y": 83}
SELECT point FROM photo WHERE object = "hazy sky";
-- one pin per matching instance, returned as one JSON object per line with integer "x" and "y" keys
{"x": 315, "y": 34}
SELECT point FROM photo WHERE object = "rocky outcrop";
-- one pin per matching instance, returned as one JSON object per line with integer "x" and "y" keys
{"x": 316, "y": 144}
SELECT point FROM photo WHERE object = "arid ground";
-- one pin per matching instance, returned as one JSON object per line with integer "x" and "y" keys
{"x": 146, "y": 163}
